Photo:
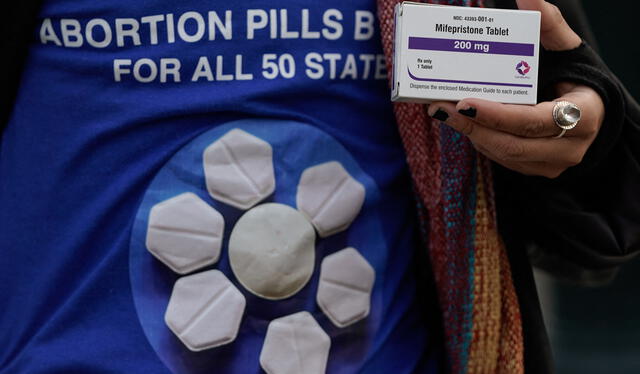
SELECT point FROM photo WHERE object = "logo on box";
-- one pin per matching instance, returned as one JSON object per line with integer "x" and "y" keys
{"x": 523, "y": 68}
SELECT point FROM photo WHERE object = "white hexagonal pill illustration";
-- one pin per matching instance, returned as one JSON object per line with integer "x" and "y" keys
{"x": 344, "y": 291}
{"x": 295, "y": 344}
{"x": 185, "y": 233}
{"x": 272, "y": 250}
{"x": 238, "y": 169}
{"x": 205, "y": 310}
{"x": 329, "y": 197}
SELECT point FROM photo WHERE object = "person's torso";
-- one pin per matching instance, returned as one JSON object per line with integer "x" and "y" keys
{"x": 243, "y": 110}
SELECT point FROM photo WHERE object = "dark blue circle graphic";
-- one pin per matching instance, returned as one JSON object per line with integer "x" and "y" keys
{"x": 296, "y": 147}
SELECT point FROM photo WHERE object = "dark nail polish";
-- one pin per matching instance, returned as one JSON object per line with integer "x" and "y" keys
{"x": 469, "y": 112}
{"x": 440, "y": 115}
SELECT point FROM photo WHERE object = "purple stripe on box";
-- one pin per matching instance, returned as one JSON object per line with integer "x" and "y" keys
{"x": 466, "y": 82}
{"x": 471, "y": 46}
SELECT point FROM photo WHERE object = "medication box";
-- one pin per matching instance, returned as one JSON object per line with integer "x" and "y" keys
{"x": 451, "y": 53}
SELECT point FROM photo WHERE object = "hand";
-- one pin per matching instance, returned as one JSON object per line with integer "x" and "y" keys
{"x": 520, "y": 137}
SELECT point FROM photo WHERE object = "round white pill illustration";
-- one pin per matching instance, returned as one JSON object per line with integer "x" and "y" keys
{"x": 272, "y": 251}
{"x": 295, "y": 344}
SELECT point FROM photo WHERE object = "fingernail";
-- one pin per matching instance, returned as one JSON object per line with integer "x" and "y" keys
{"x": 440, "y": 115}
{"x": 469, "y": 112}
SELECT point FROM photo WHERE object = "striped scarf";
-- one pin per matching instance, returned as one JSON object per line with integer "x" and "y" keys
{"x": 481, "y": 315}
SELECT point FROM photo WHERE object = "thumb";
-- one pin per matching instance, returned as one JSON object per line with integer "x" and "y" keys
{"x": 555, "y": 33}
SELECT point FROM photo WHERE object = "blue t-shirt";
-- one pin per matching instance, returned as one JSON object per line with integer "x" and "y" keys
{"x": 118, "y": 106}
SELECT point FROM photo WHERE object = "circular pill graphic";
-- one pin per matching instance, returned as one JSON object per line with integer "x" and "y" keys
{"x": 272, "y": 251}
{"x": 227, "y": 244}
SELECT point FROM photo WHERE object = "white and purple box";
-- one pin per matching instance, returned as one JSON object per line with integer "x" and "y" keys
{"x": 451, "y": 53}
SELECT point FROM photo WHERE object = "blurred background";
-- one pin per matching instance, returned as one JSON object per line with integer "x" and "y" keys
{"x": 616, "y": 30}
{"x": 597, "y": 330}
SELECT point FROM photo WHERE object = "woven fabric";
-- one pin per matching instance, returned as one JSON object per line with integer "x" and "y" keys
{"x": 481, "y": 315}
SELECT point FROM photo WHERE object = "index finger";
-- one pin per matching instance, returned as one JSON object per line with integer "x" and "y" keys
{"x": 522, "y": 120}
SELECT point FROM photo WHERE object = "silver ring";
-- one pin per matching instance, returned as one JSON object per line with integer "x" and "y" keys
{"x": 566, "y": 116}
